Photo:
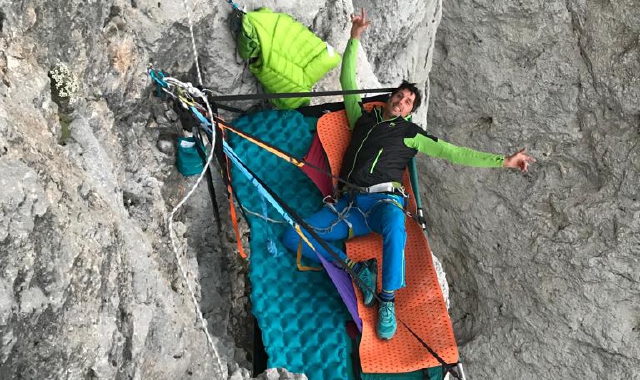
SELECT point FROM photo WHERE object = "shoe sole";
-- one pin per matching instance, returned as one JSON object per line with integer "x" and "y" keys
{"x": 385, "y": 337}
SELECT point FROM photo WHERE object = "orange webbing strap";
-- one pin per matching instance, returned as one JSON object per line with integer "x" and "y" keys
{"x": 232, "y": 207}
{"x": 304, "y": 268}
{"x": 234, "y": 220}
{"x": 420, "y": 305}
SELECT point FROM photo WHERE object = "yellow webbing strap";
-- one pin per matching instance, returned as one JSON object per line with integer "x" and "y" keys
{"x": 351, "y": 234}
{"x": 304, "y": 268}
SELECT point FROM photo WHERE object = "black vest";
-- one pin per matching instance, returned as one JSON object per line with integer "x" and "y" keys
{"x": 377, "y": 153}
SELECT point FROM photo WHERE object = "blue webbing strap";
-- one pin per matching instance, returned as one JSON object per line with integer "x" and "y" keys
{"x": 233, "y": 5}
{"x": 255, "y": 182}
{"x": 158, "y": 77}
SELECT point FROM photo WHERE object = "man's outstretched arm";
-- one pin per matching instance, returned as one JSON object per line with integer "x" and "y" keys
{"x": 434, "y": 147}
{"x": 348, "y": 70}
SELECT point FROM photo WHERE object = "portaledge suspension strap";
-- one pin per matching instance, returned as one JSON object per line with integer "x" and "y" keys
{"x": 226, "y": 176}
{"x": 278, "y": 95}
{"x": 413, "y": 174}
{"x": 159, "y": 78}
{"x": 212, "y": 191}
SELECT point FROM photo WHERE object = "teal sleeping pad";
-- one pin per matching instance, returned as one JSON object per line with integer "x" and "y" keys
{"x": 301, "y": 315}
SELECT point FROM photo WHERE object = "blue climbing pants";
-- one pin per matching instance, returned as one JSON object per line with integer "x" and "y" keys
{"x": 358, "y": 215}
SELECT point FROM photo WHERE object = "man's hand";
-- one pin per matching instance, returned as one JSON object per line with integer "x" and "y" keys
{"x": 518, "y": 161}
{"x": 359, "y": 24}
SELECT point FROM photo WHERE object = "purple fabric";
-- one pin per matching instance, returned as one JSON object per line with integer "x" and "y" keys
{"x": 343, "y": 283}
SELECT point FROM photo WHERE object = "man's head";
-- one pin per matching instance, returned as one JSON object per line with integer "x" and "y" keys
{"x": 404, "y": 100}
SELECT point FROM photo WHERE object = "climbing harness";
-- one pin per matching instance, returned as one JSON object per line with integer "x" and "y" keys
{"x": 387, "y": 187}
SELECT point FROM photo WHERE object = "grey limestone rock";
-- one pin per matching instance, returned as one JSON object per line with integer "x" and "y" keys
{"x": 543, "y": 267}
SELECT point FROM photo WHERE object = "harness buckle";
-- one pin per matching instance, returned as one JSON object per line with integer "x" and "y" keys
{"x": 386, "y": 187}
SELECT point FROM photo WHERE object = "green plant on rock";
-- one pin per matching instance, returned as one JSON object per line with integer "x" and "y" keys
{"x": 64, "y": 91}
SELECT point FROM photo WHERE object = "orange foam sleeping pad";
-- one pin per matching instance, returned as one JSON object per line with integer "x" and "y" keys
{"x": 420, "y": 304}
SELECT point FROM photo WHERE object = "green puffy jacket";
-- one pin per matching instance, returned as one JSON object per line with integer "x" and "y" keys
{"x": 283, "y": 54}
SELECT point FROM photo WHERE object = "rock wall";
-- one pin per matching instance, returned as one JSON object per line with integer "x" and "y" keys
{"x": 91, "y": 286}
{"x": 543, "y": 267}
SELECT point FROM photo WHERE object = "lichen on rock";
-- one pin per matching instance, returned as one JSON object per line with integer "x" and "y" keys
{"x": 64, "y": 84}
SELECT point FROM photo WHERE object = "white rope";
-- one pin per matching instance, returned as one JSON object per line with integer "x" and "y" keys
{"x": 182, "y": 268}
{"x": 263, "y": 217}
{"x": 193, "y": 42}
{"x": 194, "y": 91}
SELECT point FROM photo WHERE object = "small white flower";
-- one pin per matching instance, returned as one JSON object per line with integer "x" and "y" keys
{"x": 65, "y": 82}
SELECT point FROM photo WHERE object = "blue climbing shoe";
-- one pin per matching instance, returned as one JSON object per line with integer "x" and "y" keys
{"x": 386, "y": 320}
{"x": 367, "y": 273}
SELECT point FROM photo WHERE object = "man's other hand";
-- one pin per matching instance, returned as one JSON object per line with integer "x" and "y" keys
{"x": 519, "y": 161}
{"x": 358, "y": 24}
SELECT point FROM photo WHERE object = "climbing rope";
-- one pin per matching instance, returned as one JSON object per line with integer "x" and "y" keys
{"x": 185, "y": 275}
{"x": 261, "y": 216}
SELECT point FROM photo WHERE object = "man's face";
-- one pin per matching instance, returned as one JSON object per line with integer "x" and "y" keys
{"x": 401, "y": 103}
